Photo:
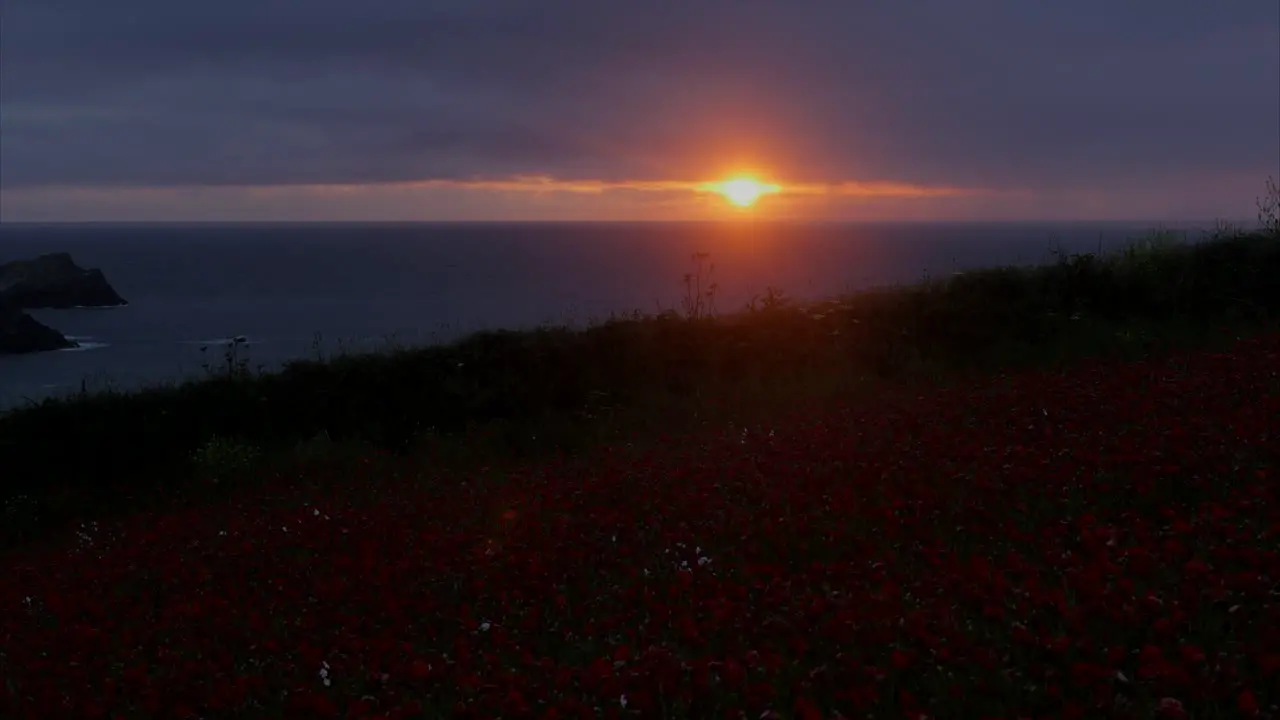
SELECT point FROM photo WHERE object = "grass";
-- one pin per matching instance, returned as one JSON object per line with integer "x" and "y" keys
{"x": 632, "y": 378}
{"x": 1098, "y": 542}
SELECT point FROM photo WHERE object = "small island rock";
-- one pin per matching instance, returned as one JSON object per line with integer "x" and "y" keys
{"x": 21, "y": 333}
{"x": 55, "y": 281}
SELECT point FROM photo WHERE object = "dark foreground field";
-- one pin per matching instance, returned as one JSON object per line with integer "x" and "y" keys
{"x": 1103, "y": 542}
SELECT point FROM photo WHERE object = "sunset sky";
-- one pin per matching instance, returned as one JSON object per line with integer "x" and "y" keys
{"x": 628, "y": 110}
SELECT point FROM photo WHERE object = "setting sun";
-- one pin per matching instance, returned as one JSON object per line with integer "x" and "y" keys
{"x": 745, "y": 191}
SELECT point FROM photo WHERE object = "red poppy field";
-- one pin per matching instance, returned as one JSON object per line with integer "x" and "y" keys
{"x": 1099, "y": 543}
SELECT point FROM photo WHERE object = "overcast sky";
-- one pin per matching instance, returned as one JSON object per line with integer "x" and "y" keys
{"x": 441, "y": 109}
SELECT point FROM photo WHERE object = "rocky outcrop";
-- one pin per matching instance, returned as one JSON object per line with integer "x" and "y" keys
{"x": 55, "y": 281}
{"x": 21, "y": 333}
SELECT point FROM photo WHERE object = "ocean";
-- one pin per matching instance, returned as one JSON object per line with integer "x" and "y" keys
{"x": 294, "y": 289}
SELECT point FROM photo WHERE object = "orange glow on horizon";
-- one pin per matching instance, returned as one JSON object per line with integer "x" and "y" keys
{"x": 742, "y": 186}
{"x": 508, "y": 198}
{"x": 743, "y": 190}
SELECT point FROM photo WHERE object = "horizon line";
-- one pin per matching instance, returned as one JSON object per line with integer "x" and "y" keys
{"x": 691, "y": 221}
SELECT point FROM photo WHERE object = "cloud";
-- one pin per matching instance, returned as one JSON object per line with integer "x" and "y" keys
{"x": 926, "y": 97}
{"x": 541, "y": 199}
{"x": 547, "y": 184}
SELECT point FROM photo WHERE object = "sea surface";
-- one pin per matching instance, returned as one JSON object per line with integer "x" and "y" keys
{"x": 295, "y": 290}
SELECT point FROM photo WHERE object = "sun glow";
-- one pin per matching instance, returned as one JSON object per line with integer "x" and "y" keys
{"x": 744, "y": 191}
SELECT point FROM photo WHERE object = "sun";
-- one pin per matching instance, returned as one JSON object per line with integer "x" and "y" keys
{"x": 745, "y": 191}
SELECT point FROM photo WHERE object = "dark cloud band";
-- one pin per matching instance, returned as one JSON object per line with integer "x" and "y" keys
{"x": 985, "y": 93}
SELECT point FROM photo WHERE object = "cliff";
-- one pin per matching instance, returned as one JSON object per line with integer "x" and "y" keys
{"x": 21, "y": 333}
{"x": 55, "y": 281}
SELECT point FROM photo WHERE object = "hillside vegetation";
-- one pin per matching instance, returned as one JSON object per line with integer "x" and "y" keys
{"x": 500, "y": 396}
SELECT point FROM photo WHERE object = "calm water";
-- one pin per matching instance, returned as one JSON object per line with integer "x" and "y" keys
{"x": 281, "y": 285}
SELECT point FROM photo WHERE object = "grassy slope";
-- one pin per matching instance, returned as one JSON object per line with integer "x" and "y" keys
{"x": 1096, "y": 543}
{"x": 511, "y": 396}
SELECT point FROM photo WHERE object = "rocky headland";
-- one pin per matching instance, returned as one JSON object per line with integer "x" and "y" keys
{"x": 21, "y": 333}
{"x": 55, "y": 281}
{"x": 48, "y": 281}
